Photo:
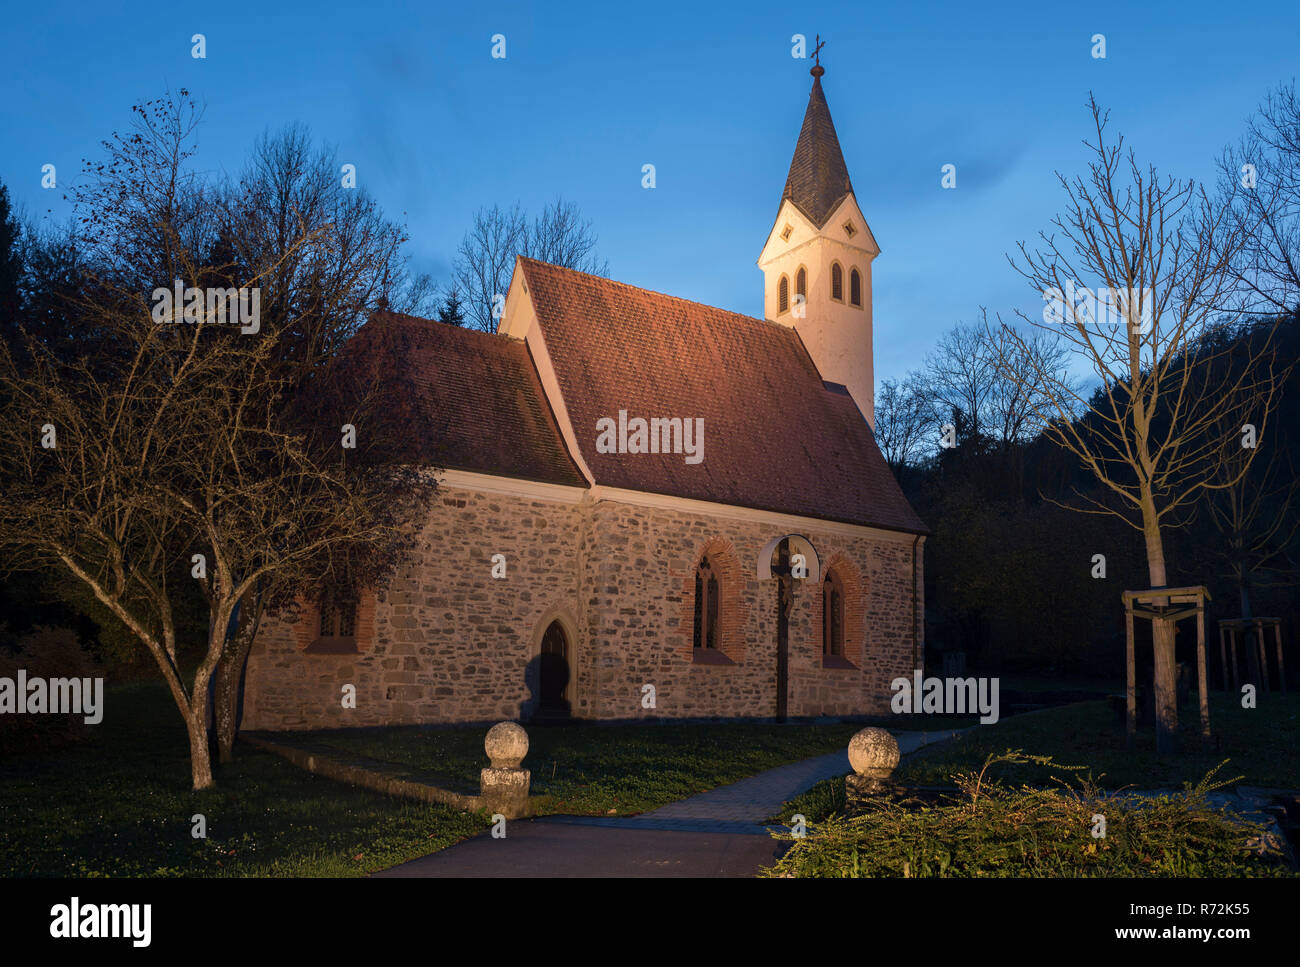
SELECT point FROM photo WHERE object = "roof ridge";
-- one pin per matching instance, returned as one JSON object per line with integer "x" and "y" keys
{"x": 663, "y": 295}
{"x": 406, "y": 317}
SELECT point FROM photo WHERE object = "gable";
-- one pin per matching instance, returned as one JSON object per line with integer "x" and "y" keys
{"x": 804, "y": 232}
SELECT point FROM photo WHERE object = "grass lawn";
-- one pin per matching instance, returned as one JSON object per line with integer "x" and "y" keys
{"x": 119, "y": 804}
{"x": 598, "y": 770}
{"x": 1261, "y": 744}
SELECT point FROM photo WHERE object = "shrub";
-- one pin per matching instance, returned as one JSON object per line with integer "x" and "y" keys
{"x": 990, "y": 829}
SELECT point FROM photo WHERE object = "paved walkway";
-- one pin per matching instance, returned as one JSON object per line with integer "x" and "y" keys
{"x": 714, "y": 833}
{"x": 743, "y": 806}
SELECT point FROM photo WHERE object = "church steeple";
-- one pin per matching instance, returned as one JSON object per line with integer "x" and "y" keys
{"x": 818, "y": 255}
{"x": 818, "y": 178}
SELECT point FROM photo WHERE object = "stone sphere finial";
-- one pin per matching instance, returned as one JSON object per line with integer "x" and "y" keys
{"x": 506, "y": 745}
{"x": 873, "y": 753}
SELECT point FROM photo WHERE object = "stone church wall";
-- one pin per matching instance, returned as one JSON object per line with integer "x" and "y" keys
{"x": 448, "y": 643}
{"x": 641, "y": 613}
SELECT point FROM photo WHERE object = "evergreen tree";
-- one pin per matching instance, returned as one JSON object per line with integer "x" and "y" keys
{"x": 11, "y": 262}
{"x": 451, "y": 311}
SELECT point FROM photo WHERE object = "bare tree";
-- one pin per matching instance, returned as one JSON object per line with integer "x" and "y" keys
{"x": 958, "y": 376}
{"x": 977, "y": 372}
{"x": 187, "y": 450}
{"x": 1149, "y": 435}
{"x": 1253, "y": 507}
{"x": 485, "y": 257}
{"x": 1260, "y": 182}
{"x": 902, "y": 417}
{"x": 327, "y": 258}
{"x": 484, "y": 261}
{"x": 561, "y": 236}
{"x": 1015, "y": 395}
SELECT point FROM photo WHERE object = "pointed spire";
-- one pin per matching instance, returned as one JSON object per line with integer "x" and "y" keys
{"x": 818, "y": 178}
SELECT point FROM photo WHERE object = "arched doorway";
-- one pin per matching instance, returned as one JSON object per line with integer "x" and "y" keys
{"x": 553, "y": 673}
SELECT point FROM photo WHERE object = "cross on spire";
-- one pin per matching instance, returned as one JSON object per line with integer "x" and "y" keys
{"x": 818, "y": 70}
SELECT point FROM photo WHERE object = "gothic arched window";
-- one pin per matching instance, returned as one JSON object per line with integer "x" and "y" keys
{"x": 707, "y": 593}
{"x": 832, "y": 616}
{"x": 783, "y": 295}
{"x": 801, "y": 282}
{"x": 837, "y": 282}
{"x": 855, "y": 288}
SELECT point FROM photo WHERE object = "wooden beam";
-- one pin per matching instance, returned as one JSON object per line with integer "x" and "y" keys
{"x": 1223, "y": 655}
{"x": 1130, "y": 691}
{"x": 1232, "y": 643}
{"x": 1263, "y": 659}
{"x": 1200, "y": 670}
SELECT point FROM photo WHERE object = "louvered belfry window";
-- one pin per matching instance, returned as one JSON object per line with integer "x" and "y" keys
{"x": 783, "y": 295}
{"x": 837, "y": 283}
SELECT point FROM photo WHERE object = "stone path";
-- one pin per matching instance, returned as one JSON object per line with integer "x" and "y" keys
{"x": 714, "y": 833}
{"x": 743, "y": 806}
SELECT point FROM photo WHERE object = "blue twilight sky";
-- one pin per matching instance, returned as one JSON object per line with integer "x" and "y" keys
{"x": 708, "y": 93}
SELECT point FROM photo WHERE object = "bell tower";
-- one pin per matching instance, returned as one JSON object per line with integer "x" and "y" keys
{"x": 817, "y": 259}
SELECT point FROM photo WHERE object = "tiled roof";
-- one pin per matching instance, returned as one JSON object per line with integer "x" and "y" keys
{"x": 818, "y": 178}
{"x": 776, "y": 437}
{"x": 464, "y": 399}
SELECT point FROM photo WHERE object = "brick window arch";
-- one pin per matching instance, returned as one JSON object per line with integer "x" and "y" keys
{"x": 842, "y": 606}
{"x": 712, "y": 607}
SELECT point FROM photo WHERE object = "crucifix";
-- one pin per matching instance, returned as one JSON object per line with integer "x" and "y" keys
{"x": 817, "y": 38}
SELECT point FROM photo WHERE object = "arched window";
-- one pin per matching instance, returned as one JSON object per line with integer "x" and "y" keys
{"x": 855, "y": 288}
{"x": 837, "y": 282}
{"x": 783, "y": 295}
{"x": 706, "y": 606}
{"x": 832, "y": 616}
{"x": 801, "y": 282}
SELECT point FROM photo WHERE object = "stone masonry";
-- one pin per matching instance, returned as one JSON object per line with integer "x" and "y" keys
{"x": 447, "y": 643}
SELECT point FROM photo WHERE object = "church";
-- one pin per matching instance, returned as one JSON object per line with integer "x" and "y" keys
{"x": 647, "y": 508}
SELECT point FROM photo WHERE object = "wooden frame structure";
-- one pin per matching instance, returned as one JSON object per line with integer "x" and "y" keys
{"x": 1171, "y": 605}
{"x": 1228, "y": 631}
